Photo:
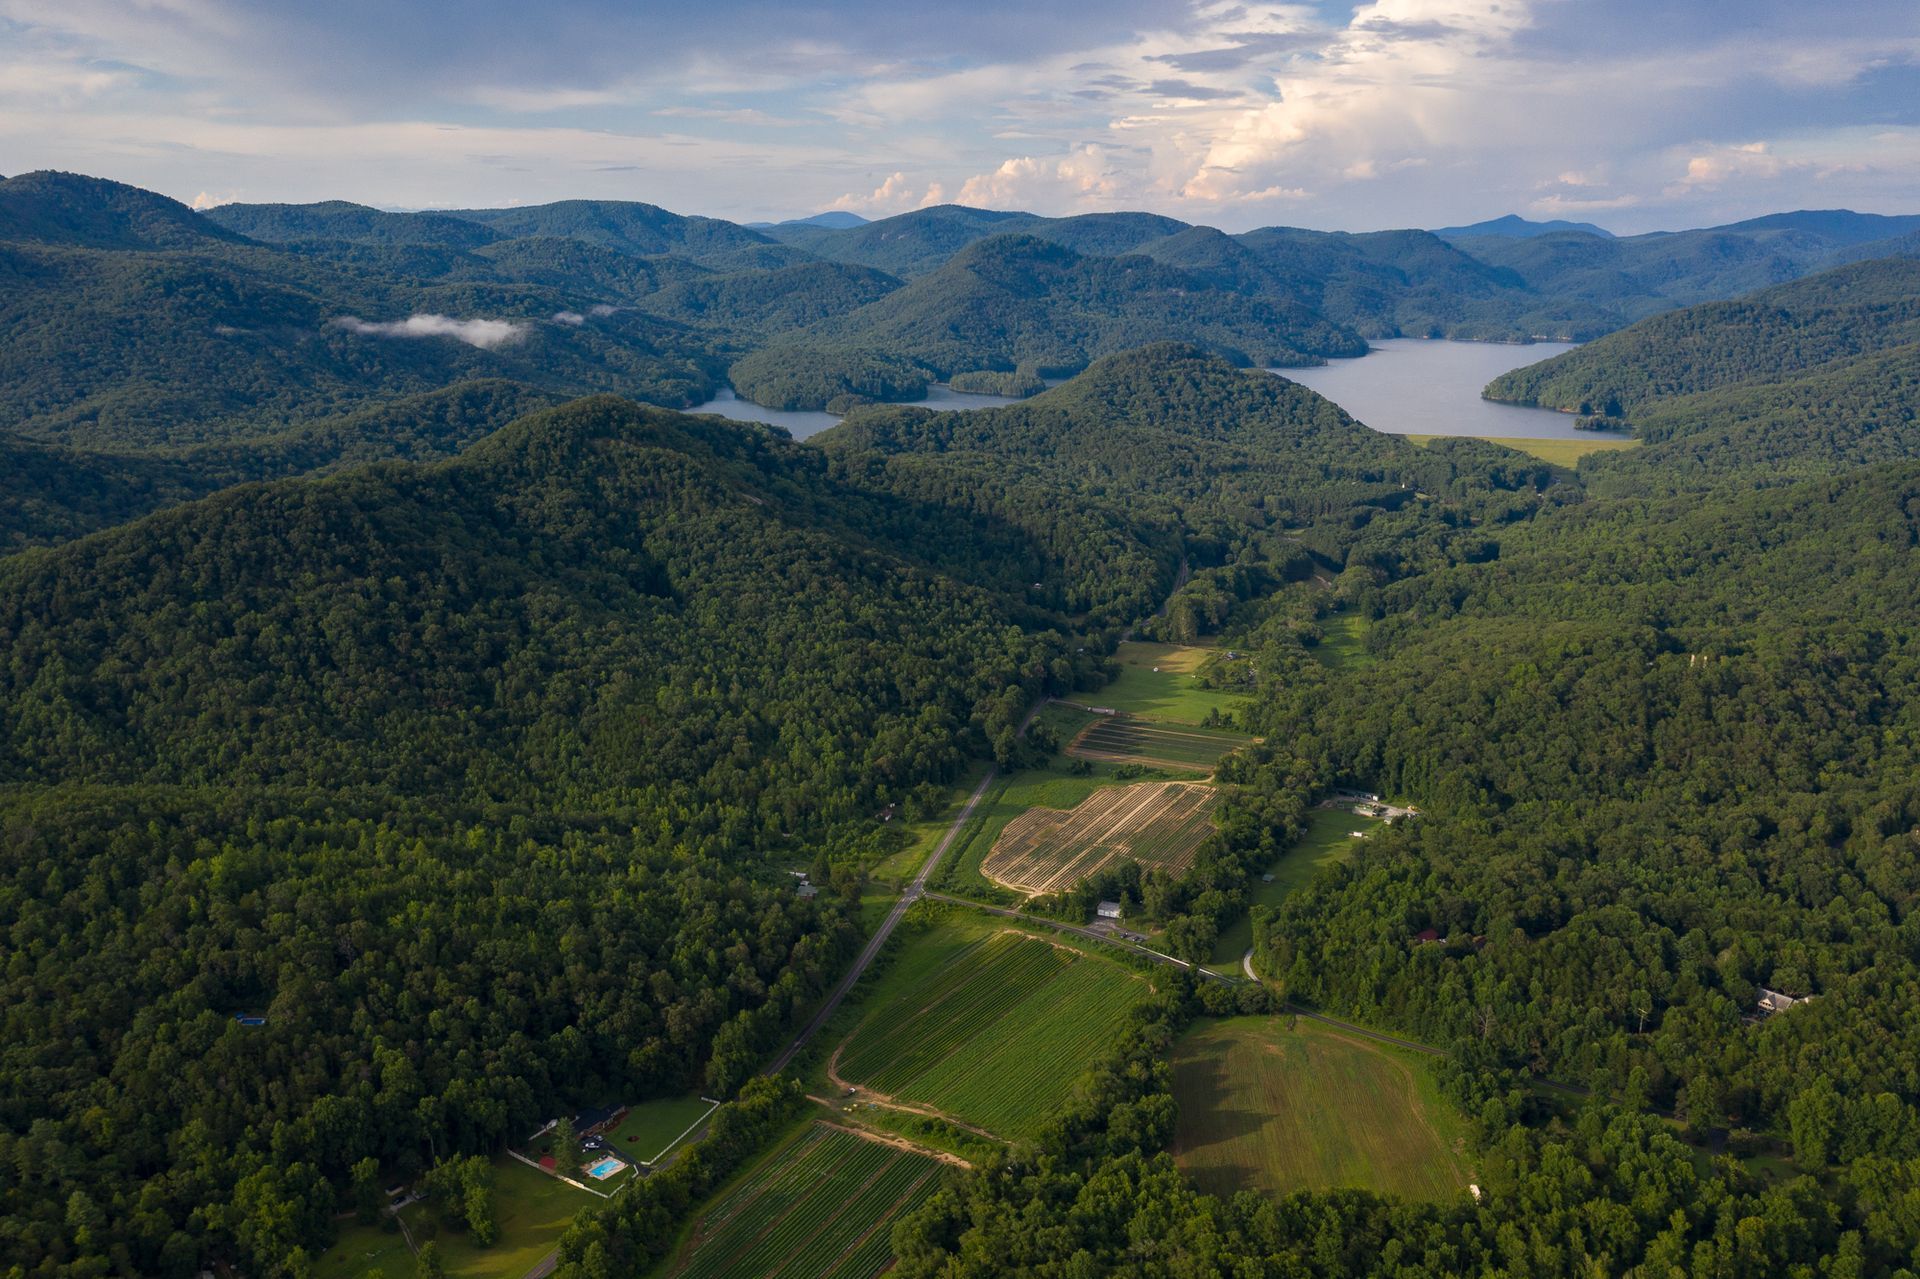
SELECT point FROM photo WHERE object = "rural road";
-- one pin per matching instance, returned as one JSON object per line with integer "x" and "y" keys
{"x": 907, "y": 899}
{"x": 1094, "y": 934}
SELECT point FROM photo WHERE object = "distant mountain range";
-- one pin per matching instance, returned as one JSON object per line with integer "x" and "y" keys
{"x": 836, "y": 219}
{"x": 252, "y": 320}
{"x": 1519, "y": 228}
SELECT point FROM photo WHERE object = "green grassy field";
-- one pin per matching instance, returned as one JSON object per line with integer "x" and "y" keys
{"x": 533, "y": 1210}
{"x": 1277, "y": 1109}
{"x": 1125, "y": 739}
{"x": 987, "y": 1025}
{"x": 645, "y": 1132}
{"x": 820, "y": 1205}
{"x": 1329, "y": 838}
{"x": 1343, "y": 644}
{"x": 1558, "y": 452}
{"x": 1171, "y": 693}
{"x": 366, "y": 1252}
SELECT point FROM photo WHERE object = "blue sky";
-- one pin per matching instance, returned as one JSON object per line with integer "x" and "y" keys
{"x": 1633, "y": 113}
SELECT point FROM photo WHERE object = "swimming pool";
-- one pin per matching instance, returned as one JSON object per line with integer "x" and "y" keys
{"x": 605, "y": 1168}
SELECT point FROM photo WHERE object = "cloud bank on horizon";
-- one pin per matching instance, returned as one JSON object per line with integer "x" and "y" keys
{"x": 1634, "y": 113}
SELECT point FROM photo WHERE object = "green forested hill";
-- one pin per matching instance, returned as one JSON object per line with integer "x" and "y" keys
{"x": 1632, "y": 277}
{"x": 1017, "y": 300}
{"x": 464, "y": 777}
{"x": 342, "y": 220}
{"x": 71, "y": 209}
{"x": 637, "y": 228}
{"x": 1842, "y": 415}
{"x": 51, "y": 493}
{"x": 138, "y": 349}
{"x": 1846, "y": 312}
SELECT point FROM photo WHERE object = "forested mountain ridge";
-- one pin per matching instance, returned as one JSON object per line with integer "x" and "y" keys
{"x": 342, "y": 752}
{"x": 71, "y": 209}
{"x": 1762, "y": 337}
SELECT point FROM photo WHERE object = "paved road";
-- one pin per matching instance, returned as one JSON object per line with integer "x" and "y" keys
{"x": 907, "y": 898}
{"x": 1093, "y": 933}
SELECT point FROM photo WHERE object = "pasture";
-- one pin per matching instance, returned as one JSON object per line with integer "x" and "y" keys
{"x": 987, "y": 1026}
{"x": 820, "y": 1206}
{"x": 1126, "y": 740}
{"x": 1276, "y": 1108}
{"x": 1159, "y": 681}
{"x": 1328, "y": 839}
{"x": 1158, "y": 824}
{"x": 1558, "y": 452}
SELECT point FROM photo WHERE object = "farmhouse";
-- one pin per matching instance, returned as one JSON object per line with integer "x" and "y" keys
{"x": 1107, "y": 910}
{"x": 1773, "y": 1001}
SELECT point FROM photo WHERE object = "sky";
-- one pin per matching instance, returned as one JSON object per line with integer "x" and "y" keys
{"x": 1636, "y": 114}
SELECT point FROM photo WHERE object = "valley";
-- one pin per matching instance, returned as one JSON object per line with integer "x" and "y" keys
{"x": 482, "y": 796}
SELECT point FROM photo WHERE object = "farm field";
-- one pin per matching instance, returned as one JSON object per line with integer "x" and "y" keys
{"x": 1124, "y": 739}
{"x": 989, "y": 1027}
{"x": 648, "y": 1131}
{"x": 1328, "y": 839}
{"x": 1011, "y": 796}
{"x": 1558, "y": 452}
{"x": 1273, "y": 1108}
{"x": 819, "y": 1207}
{"x": 1158, "y": 824}
{"x": 1170, "y": 693}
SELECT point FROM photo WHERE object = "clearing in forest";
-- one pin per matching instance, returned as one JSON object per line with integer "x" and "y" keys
{"x": 1161, "y": 681}
{"x": 1158, "y": 824}
{"x": 990, "y": 1031}
{"x": 1127, "y": 740}
{"x": 1276, "y": 1108}
{"x": 819, "y": 1207}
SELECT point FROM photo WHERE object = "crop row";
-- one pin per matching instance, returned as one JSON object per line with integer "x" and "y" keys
{"x": 1011, "y": 1080}
{"x": 893, "y": 1046}
{"x": 994, "y": 1036}
{"x": 815, "y": 1211}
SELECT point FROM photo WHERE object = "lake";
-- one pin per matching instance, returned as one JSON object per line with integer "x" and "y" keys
{"x": 800, "y": 423}
{"x": 1422, "y": 386}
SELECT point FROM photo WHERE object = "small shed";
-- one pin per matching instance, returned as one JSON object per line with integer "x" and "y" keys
{"x": 1107, "y": 910}
{"x": 1427, "y": 935}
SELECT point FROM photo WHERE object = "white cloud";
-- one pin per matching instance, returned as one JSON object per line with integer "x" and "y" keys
{"x": 485, "y": 334}
{"x": 207, "y": 200}
{"x": 1710, "y": 168}
{"x": 898, "y": 194}
{"x": 1084, "y": 176}
{"x": 572, "y": 318}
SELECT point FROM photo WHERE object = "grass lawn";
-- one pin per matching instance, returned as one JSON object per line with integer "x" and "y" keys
{"x": 1343, "y": 643}
{"x": 366, "y": 1252}
{"x": 534, "y": 1210}
{"x": 1329, "y": 838}
{"x": 1170, "y": 693}
{"x": 1558, "y": 452}
{"x": 1273, "y": 1108}
{"x": 649, "y": 1128}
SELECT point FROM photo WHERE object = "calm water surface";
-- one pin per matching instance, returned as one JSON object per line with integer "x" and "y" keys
{"x": 1415, "y": 386}
{"x": 800, "y": 423}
